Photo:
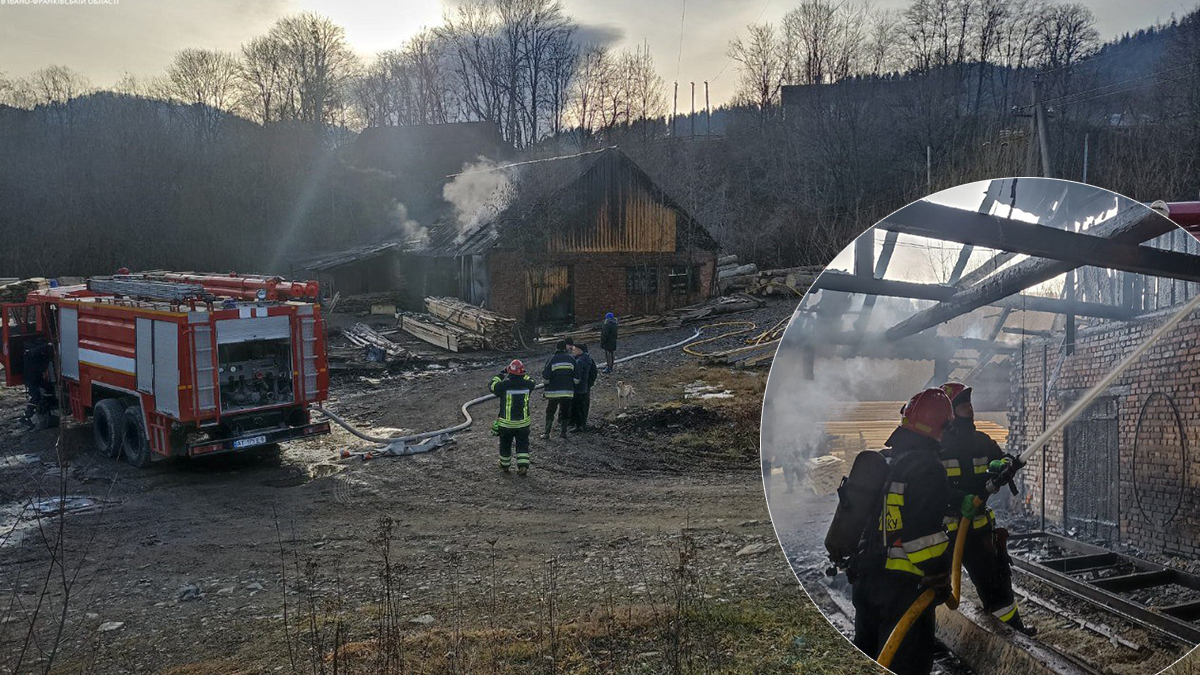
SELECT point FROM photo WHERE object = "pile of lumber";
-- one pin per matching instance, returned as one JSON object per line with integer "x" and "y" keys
{"x": 626, "y": 326}
{"x": 791, "y": 281}
{"x": 363, "y": 335}
{"x": 868, "y": 424}
{"x": 498, "y": 332}
{"x": 439, "y": 333}
{"x": 825, "y": 474}
{"x": 733, "y": 277}
{"x": 366, "y": 303}
{"x": 730, "y": 304}
{"x": 15, "y": 290}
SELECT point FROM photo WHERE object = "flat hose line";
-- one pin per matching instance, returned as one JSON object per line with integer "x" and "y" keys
{"x": 466, "y": 423}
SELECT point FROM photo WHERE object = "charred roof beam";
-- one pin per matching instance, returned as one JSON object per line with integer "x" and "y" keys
{"x": 936, "y": 221}
{"x": 1129, "y": 226}
{"x": 850, "y": 283}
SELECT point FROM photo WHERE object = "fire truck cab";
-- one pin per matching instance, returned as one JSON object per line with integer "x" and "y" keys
{"x": 171, "y": 364}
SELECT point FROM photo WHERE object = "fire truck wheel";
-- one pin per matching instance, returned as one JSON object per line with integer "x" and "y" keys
{"x": 137, "y": 446}
{"x": 108, "y": 426}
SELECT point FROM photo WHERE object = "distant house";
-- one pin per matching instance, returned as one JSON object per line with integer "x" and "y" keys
{"x": 374, "y": 268}
{"x": 577, "y": 236}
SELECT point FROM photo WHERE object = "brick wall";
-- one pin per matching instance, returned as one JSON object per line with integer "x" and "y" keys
{"x": 599, "y": 282}
{"x": 1158, "y": 482}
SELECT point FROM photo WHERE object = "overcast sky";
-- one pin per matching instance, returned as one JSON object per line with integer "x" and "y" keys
{"x": 139, "y": 36}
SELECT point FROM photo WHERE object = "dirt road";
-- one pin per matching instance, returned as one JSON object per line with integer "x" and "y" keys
{"x": 644, "y": 546}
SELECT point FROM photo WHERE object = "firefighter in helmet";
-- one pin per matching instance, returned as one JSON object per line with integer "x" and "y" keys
{"x": 514, "y": 389}
{"x": 967, "y": 454}
{"x": 906, "y": 551}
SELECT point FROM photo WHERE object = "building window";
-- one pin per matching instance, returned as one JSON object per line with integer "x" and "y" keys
{"x": 641, "y": 280}
{"x": 684, "y": 279}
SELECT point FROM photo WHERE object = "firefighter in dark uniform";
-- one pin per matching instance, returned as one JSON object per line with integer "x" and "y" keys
{"x": 559, "y": 376}
{"x": 36, "y": 359}
{"x": 907, "y": 550}
{"x": 967, "y": 453}
{"x": 514, "y": 389}
{"x": 585, "y": 378}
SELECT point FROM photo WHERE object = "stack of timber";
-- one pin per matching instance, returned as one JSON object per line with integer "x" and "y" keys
{"x": 363, "y": 335}
{"x": 366, "y": 303}
{"x": 16, "y": 289}
{"x": 825, "y": 474}
{"x": 733, "y": 277}
{"x": 498, "y": 332}
{"x": 626, "y": 326}
{"x": 868, "y": 424}
{"x": 730, "y": 304}
{"x": 790, "y": 281}
{"x": 439, "y": 333}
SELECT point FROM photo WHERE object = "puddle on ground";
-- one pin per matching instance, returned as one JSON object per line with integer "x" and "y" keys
{"x": 18, "y": 461}
{"x": 702, "y": 390}
{"x": 301, "y": 475}
{"x": 19, "y": 520}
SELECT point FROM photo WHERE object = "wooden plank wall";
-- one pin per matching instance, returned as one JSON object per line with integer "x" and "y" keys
{"x": 618, "y": 213}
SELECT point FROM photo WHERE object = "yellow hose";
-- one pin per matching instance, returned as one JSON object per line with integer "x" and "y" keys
{"x": 922, "y": 602}
{"x": 743, "y": 327}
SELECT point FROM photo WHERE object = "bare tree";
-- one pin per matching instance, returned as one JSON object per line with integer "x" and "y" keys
{"x": 53, "y": 86}
{"x": 318, "y": 63}
{"x": 265, "y": 82}
{"x": 206, "y": 81}
{"x": 761, "y": 70}
{"x": 821, "y": 42}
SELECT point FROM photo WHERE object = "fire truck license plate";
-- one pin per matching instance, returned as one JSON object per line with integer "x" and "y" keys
{"x": 250, "y": 442}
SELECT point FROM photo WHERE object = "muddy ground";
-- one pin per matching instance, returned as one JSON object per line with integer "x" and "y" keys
{"x": 644, "y": 546}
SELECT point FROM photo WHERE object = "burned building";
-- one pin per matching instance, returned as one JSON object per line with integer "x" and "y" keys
{"x": 570, "y": 238}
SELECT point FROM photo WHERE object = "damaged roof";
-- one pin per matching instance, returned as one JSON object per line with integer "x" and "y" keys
{"x": 540, "y": 182}
{"x": 329, "y": 261}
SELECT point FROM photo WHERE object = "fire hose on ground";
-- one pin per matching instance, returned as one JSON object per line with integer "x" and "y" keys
{"x": 399, "y": 445}
{"x": 995, "y": 484}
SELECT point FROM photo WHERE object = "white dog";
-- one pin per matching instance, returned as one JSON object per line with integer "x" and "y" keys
{"x": 624, "y": 393}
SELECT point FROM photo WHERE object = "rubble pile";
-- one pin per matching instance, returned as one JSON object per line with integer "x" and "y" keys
{"x": 15, "y": 290}
{"x": 440, "y": 333}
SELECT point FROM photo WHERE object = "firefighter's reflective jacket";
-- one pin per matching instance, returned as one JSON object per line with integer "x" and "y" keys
{"x": 559, "y": 375}
{"x": 966, "y": 453}
{"x": 910, "y": 532}
{"x": 514, "y": 392}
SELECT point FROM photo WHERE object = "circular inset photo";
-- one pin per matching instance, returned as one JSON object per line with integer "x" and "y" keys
{"x": 979, "y": 434}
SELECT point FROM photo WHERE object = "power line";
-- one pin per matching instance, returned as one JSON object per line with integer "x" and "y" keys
{"x": 679, "y": 56}
{"x": 729, "y": 59}
{"x": 1156, "y": 73}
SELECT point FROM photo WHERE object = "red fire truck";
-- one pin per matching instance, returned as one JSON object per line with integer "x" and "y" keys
{"x": 170, "y": 364}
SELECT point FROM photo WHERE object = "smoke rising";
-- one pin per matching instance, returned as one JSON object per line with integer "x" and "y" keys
{"x": 412, "y": 233}
{"x": 478, "y": 193}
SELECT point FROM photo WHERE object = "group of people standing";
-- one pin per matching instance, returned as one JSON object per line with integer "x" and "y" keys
{"x": 939, "y": 467}
{"x": 567, "y": 378}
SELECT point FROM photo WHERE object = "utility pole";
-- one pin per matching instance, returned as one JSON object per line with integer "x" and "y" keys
{"x": 1030, "y": 148}
{"x": 675, "y": 110}
{"x": 693, "y": 115}
{"x": 1038, "y": 127}
{"x": 707, "y": 112}
{"x": 928, "y": 170}
{"x": 1085, "y": 157}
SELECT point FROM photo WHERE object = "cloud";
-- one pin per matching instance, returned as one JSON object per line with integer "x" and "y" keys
{"x": 600, "y": 34}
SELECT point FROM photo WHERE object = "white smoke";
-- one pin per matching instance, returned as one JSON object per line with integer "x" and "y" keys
{"x": 412, "y": 233}
{"x": 478, "y": 193}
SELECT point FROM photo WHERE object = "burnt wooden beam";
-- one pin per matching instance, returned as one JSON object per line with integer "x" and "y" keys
{"x": 1131, "y": 225}
{"x": 832, "y": 280}
{"x": 850, "y": 344}
{"x": 937, "y": 221}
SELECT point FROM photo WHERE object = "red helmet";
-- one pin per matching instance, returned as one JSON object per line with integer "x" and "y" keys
{"x": 957, "y": 392}
{"x": 927, "y": 413}
{"x": 515, "y": 367}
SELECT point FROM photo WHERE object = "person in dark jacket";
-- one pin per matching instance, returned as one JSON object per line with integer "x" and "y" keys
{"x": 608, "y": 340}
{"x": 36, "y": 359}
{"x": 966, "y": 454}
{"x": 585, "y": 378}
{"x": 514, "y": 389}
{"x": 559, "y": 376}
{"x": 906, "y": 551}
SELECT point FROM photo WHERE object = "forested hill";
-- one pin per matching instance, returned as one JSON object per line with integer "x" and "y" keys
{"x": 92, "y": 180}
